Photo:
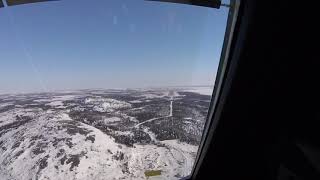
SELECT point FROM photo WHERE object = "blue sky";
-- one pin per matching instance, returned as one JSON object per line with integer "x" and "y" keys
{"x": 108, "y": 44}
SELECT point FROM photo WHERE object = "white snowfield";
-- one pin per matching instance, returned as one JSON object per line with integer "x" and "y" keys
{"x": 5, "y": 105}
{"x": 106, "y": 104}
{"x": 151, "y": 94}
{"x": 40, "y": 156}
{"x": 111, "y": 120}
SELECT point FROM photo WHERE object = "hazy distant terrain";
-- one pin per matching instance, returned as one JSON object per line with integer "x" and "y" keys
{"x": 101, "y": 134}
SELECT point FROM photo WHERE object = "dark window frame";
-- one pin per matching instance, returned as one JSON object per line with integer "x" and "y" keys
{"x": 223, "y": 80}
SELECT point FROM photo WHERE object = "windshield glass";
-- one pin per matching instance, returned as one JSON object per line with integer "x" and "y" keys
{"x": 116, "y": 89}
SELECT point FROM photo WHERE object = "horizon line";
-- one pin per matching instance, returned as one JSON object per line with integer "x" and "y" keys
{"x": 99, "y": 88}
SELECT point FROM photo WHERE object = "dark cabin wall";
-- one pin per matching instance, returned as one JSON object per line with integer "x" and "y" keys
{"x": 272, "y": 103}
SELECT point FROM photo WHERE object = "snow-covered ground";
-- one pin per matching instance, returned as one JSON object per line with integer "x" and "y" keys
{"x": 106, "y": 104}
{"x": 77, "y": 156}
{"x": 82, "y": 136}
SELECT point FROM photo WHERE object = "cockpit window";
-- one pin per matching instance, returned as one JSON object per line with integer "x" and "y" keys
{"x": 116, "y": 89}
